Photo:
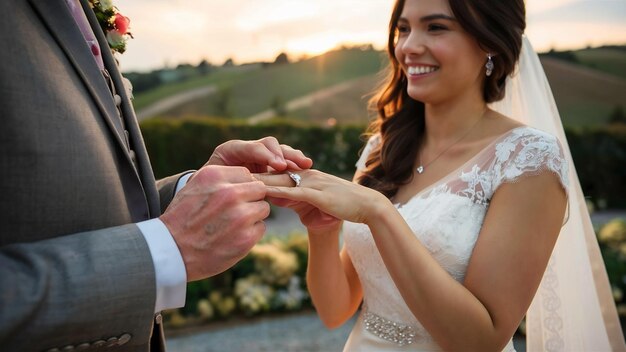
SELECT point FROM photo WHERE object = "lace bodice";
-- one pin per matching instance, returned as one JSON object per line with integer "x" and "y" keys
{"x": 447, "y": 216}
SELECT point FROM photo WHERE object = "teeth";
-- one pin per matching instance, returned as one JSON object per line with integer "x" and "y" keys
{"x": 420, "y": 70}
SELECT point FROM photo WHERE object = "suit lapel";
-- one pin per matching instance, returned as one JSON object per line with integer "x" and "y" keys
{"x": 144, "y": 168}
{"x": 62, "y": 26}
{"x": 65, "y": 31}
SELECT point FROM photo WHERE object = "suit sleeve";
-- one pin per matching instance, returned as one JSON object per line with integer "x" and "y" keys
{"x": 167, "y": 189}
{"x": 77, "y": 289}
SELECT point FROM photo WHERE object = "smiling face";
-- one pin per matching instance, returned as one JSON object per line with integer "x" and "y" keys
{"x": 439, "y": 58}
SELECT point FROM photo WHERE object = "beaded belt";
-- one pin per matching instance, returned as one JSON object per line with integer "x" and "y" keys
{"x": 388, "y": 330}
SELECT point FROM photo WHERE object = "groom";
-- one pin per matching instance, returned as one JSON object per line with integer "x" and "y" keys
{"x": 91, "y": 247}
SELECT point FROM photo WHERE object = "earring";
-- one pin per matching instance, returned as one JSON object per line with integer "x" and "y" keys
{"x": 489, "y": 65}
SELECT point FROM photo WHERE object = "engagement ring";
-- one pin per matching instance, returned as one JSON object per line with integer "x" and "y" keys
{"x": 295, "y": 177}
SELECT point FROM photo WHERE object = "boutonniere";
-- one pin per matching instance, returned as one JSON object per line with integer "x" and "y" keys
{"x": 114, "y": 25}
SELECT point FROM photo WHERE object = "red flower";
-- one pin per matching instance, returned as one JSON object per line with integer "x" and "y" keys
{"x": 121, "y": 23}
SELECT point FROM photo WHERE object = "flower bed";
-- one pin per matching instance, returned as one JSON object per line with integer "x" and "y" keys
{"x": 271, "y": 278}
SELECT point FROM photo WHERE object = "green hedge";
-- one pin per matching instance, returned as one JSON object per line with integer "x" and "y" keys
{"x": 175, "y": 145}
{"x": 600, "y": 158}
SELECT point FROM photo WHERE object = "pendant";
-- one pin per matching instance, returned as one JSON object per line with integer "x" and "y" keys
{"x": 420, "y": 169}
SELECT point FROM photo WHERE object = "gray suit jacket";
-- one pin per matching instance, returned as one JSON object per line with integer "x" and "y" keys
{"x": 74, "y": 270}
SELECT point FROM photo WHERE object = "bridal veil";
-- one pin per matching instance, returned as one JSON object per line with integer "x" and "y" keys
{"x": 573, "y": 309}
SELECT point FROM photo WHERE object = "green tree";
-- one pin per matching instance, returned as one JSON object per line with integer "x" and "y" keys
{"x": 282, "y": 58}
{"x": 278, "y": 105}
{"x": 204, "y": 67}
{"x": 223, "y": 106}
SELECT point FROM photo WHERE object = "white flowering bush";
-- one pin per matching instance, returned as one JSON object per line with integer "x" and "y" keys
{"x": 224, "y": 304}
{"x": 292, "y": 297}
{"x": 275, "y": 265}
{"x": 253, "y": 294}
{"x": 613, "y": 233}
{"x": 205, "y": 309}
{"x": 612, "y": 239}
{"x": 271, "y": 278}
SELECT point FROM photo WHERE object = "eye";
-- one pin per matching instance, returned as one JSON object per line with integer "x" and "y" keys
{"x": 434, "y": 27}
{"x": 402, "y": 29}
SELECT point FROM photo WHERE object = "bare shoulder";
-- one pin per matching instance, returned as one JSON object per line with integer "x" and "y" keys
{"x": 496, "y": 124}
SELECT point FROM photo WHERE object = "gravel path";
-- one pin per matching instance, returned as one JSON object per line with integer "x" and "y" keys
{"x": 301, "y": 332}
{"x": 173, "y": 101}
{"x": 284, "y": 221}
{"x": 295, "y": 333}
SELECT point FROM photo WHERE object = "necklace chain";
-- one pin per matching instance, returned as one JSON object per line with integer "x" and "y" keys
{"x": 420, "y": 169}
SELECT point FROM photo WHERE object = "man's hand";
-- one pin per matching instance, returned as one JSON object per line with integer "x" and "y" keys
{"x": 216, "y": 219}
{"x": 258, "y": 155}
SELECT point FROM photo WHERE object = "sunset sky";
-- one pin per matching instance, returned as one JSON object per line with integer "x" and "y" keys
{"x": 169, "y": 32}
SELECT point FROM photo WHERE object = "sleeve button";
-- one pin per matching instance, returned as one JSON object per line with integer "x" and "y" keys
{"x": 111, "y": 341}
{"x": 123, "y": 339}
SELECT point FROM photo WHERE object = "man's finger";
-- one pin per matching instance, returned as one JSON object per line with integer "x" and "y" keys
{"x": 254, "y": 212}
{"x": 299, "y": 194}
{"x": 296, "y": 157}
{"x": 278, "y": 180}
{"x": 218, "y": 173}
{"x": 281, "y": 202}
{"x": 277, "y": 159}
{"x": 259, "y": 153}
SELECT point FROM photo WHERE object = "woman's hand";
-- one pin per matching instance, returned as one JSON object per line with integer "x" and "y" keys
{"x": 311, "y": 217}
{"x": 261, "y": 155}
{"x": 329, "y": 194}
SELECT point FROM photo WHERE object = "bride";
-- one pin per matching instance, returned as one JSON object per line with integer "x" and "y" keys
{"x": 456, "y": 208}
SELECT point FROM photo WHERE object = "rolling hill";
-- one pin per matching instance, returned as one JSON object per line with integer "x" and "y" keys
{"x": 584, "y": 96}
{"x": 611, "y": 59}
{"x": 586, "y": 92}
{"x": 273, "y": 86}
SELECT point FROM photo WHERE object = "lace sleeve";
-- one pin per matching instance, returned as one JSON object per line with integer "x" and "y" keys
{"x": 371, "y": 144}
{"x": 530, "y": 154}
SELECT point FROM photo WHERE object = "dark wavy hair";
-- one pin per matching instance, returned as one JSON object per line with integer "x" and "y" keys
{"x": 498, "y": 27}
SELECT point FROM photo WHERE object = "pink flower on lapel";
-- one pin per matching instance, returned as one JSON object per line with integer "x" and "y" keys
{"x": 114, "y": 25}
{"x": 121, "y": 23}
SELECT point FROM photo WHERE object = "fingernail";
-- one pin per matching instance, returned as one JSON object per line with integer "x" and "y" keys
{"x": 280, "y": 160}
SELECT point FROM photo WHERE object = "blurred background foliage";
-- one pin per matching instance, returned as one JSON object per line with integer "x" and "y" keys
{"x": 320, "y": 106}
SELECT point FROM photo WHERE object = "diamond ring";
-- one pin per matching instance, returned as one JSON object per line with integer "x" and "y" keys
{"x": 295, "y": 177}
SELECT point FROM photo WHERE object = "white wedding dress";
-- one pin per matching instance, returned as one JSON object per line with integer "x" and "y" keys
{"x": 446, "y": 217}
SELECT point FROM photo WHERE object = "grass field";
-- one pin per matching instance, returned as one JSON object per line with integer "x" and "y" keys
{"x": 585, "y": 97}
{"x": 608, "y": 60}
{"x": 260, "y": 89}
{"x": 585, "y": 93}
{"x": 223, "y": 77}
{"x": 349, "y": 106}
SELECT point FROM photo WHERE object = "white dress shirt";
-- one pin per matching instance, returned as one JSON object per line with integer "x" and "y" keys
{"x": 170, "y": 272}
